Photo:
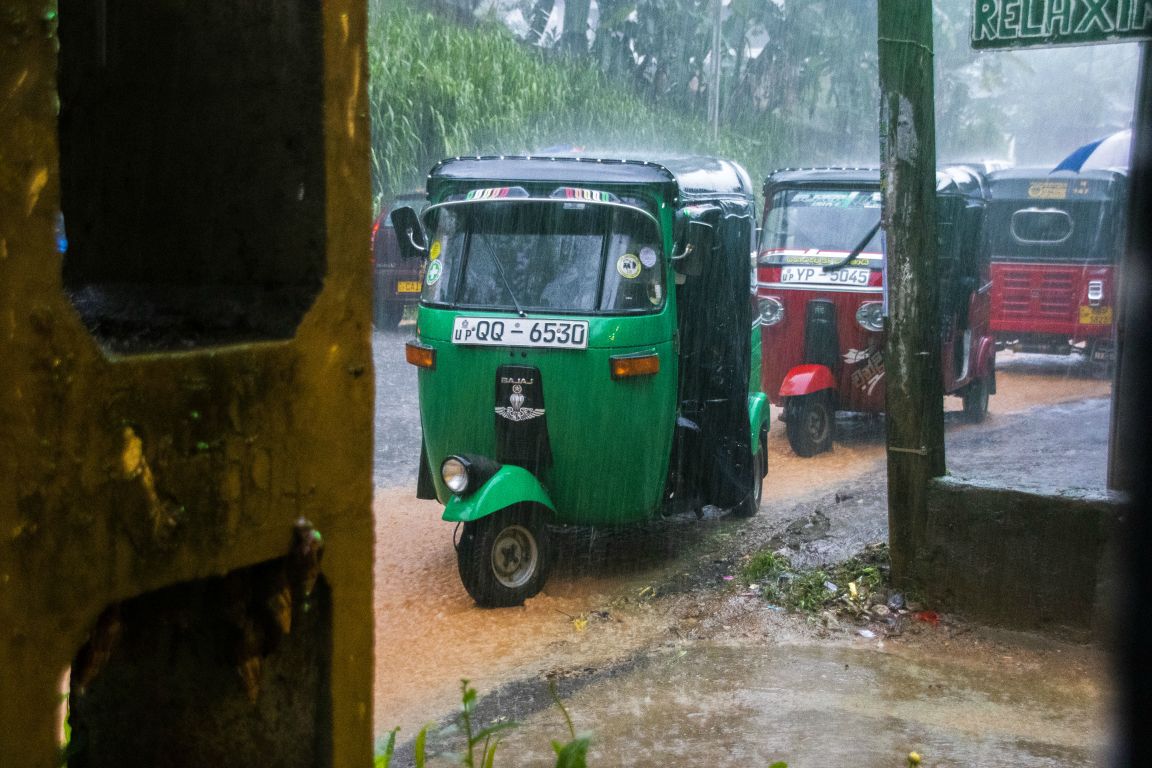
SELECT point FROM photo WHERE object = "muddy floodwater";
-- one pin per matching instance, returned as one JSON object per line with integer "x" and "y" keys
{"x": 749, "y": 703}
{"x": 659, "y": 653}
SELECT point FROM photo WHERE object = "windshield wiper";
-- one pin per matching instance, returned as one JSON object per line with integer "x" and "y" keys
{"x": 500, "y": 268}
{"x": 855, "y": 251}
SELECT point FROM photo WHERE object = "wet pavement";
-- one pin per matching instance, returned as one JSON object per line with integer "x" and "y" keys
{"x": 747, "y": 704}
{"x": 661, "y": 656}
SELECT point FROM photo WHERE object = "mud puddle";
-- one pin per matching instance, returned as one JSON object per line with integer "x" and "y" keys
{"x": 846, "y": 704}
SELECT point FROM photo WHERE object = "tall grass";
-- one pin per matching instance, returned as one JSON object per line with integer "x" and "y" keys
{"x": 439, "y": 89}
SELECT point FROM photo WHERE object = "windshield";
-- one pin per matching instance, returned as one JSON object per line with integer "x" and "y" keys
{"x": 544, "y": 255}
{"x": 806, "y": 226}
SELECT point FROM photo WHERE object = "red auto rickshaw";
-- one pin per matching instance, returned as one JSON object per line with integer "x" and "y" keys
{"x": 820, "y": 286}
{"x": 1055, "y": 241}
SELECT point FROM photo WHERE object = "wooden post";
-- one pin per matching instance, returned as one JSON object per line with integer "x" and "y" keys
{"x": 914, "y": 391}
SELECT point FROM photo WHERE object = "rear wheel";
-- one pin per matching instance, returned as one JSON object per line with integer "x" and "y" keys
{"x": 810, "y": 424}
{"x": 751, "y": 505}
{"x": 504, "y": 558}
{"x": 976, "y": 400}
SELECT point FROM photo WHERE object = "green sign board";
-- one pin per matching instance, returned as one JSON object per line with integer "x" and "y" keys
{"x": 1046, "y": 23}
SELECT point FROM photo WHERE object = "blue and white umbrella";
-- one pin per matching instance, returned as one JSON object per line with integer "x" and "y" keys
{"x": 1110, "y": 152}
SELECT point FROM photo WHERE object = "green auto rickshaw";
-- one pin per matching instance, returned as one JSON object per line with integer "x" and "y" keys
{"x": 586, "y": 349}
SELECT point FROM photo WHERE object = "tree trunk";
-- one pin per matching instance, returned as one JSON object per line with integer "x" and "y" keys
{"x": 574, "y": 38}
{"x": 541, "y": 12}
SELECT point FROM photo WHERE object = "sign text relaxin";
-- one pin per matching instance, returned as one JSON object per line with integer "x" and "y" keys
{"x": 1026, "y": 23}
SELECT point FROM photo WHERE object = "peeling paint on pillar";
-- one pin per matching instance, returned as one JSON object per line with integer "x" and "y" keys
{"x": 151, "y": 477}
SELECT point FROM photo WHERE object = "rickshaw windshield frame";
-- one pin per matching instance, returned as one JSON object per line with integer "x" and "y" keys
{"x": 607, "y": 203}
{"x": 635, "y": 286}
{"x": 811, "y": 252}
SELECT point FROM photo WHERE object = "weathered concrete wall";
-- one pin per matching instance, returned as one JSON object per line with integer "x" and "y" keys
{"x": 151, "y": 481}
{"x": 1018, "y": 559}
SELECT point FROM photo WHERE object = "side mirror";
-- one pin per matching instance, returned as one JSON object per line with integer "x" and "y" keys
{"x": 409, "y": 233}
{"x": 697, "y": 242}
{"x": 695, "y": 231}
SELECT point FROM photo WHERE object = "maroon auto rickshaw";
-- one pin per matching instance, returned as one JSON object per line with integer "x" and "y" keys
{"x": 820, "y": 286}
{"x": 397, "y": 283}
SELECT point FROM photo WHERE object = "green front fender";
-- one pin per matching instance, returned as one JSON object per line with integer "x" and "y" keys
{"x": 758, "y": 412}
{"x": 510, "y": 485}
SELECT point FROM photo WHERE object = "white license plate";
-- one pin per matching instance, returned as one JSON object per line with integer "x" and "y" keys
{"x": 514, "y": 332}
{"x": 845, "y": 276}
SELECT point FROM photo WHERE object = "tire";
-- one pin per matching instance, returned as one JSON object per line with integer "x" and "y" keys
{"x": 504, "y": 558}
{"x": 976, "y": 400}
{"x": 388, "y": 316}
{"x": 751, "y": 505}
{"x": 810, "y": 424}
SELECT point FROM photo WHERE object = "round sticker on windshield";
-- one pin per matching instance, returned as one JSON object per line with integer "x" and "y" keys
{"x": 434, "y": 251}
{"x": 648, "y": 257}
{"x": 628, "y": 266}
{"x": 433, "y": 274}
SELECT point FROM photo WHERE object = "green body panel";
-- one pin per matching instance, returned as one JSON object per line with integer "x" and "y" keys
{"x": 757, "y": 417}
{"x": 510, "y": 485}
{"x": 610, "y": 439}
{"x": 759, "y": 412}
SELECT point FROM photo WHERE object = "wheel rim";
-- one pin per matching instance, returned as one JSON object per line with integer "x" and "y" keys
{"x": 816, "y": 423}
{"x": 514, "y": 556}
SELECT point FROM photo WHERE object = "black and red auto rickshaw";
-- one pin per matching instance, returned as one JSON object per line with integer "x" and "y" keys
{"x": 820, "y": 284}
{"x": 1055, "y": 240}
{"x": 397, "y": 283}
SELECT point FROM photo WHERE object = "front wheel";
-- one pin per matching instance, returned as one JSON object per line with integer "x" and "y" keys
{"x": 976, "y": 400}
{"x": 810, "y": 424}
{"x": 504, "y": 558}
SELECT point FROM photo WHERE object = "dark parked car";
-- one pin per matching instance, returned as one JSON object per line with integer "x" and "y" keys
{"x": 398, "y": 282}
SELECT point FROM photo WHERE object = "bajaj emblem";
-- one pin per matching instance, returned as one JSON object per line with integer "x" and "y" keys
{"x": 515, "y": 411}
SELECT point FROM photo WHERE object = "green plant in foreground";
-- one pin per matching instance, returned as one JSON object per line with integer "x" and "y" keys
{"x": 570, "y": 754}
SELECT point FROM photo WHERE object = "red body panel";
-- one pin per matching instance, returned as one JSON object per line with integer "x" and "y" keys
{"x": 806, "y": 379}
{"x": 1045, "y": 300}
{"x": 858, "y": 378}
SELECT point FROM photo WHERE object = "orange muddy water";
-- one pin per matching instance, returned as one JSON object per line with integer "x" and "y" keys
{"x": 599, "y": 606}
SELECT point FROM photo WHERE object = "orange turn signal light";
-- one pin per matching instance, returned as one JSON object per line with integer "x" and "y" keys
{"x": 635, "y": 365}
{"x": 420, "y": 355}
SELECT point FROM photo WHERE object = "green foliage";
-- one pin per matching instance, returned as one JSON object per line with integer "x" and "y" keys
{"x": 764, "y": 566}
{"x": 845, "y": 586}
{"x": 570, "y": 754}
{"x": 439, "y": 89}
{"x": 574, "y": 753}
{"x": 384, "y": 759}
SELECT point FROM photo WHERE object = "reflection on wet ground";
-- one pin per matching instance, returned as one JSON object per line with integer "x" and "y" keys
{"x": 831, "y": 705}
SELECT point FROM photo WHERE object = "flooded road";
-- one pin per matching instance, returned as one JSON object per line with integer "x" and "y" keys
{"x": 621, "y": 600}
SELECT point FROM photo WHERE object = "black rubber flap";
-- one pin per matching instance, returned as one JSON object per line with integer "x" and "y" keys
{"x": 521, "y": 423}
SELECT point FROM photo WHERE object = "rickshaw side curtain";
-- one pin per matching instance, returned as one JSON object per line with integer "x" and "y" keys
{"x": 714, "y": 451}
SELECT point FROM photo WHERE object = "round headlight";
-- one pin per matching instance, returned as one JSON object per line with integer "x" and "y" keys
{"x": 870, "y": 316}
{"x": 771, "y": 310}
{"x": 454, "y": 472}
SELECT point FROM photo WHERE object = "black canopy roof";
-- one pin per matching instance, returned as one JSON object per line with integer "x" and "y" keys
{"x": 1019, "y": 183}
{"x": 955, "y": 179}
{"x": 685, "y": 177}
